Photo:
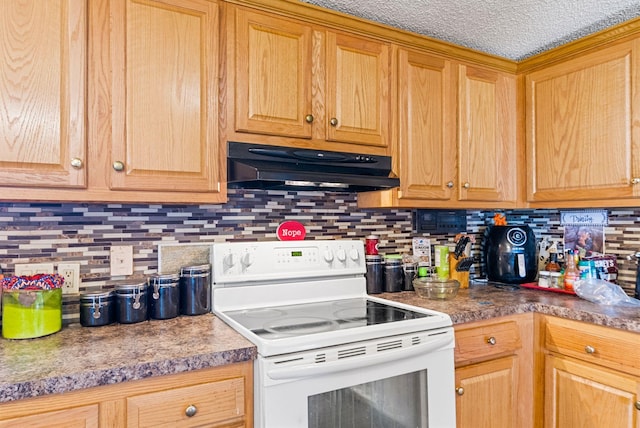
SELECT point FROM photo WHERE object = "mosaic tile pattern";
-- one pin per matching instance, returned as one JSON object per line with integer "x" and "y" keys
{"x": 83, "y": 233}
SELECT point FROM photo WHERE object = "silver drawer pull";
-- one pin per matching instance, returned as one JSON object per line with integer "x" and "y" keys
{"x": 191, "y": 411}
{"x": 589, "y": 349}
{"x": 492, "y": 340}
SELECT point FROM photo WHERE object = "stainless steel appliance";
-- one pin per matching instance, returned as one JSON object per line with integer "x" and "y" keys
{"x": 256, "y": 166}
{"x": 329, "y": 355}
{"x": 510, "y": 254}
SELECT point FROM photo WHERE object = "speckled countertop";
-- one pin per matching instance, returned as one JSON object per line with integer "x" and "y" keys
{"x": 481, "y": 302}
{"x": 79, "y": 357}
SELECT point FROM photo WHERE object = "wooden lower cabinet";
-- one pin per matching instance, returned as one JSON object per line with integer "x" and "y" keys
{"x": 494, "y": 373}
{"x": 220, "y": 397}
{"x": 578, "y": 394}
{"x": 487, "y": 394}
{"x": 591, "y": 375}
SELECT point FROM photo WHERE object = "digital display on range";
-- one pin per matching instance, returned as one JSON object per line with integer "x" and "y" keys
{"x": 296, "y": 253}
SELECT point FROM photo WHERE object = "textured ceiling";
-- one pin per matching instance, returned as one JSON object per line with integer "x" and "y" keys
{"x": 513, "y": 29}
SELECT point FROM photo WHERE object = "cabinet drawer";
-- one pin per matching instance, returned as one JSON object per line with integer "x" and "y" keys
{"x": 482, "y": 342}
{"x": 606, "y": 346}
{"x": 211, "y": 403}
{"x": 81, "y": 417}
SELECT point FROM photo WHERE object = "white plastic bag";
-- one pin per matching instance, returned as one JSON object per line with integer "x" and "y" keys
{"x": 603, "y": 292}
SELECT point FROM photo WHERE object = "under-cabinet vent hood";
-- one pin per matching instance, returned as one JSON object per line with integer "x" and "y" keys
{"x": 255, "y": 166}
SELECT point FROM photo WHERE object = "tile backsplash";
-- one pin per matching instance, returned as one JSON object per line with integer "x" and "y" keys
{"x": 83, "y": 233}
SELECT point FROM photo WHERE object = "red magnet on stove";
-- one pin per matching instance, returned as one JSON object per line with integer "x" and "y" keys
{"x": 291, "y": 230}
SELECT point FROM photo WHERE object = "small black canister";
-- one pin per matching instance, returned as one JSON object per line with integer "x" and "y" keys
{"x": 97, "y": 308}
{"x": 132, "y": 303}
{"x": 393, "y": 277}
{"x": 410, "y": 272}
{"x": 195, "y": 290}
{"x": 375, "y": 282}
{"x": 164, "y": 296}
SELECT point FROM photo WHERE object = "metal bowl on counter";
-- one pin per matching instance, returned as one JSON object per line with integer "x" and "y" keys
{"x": 436, "y": 288}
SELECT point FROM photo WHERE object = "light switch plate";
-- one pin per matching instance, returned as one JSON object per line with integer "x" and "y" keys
{"x": 121, "y": 260}
{"x": 27, "y": 269}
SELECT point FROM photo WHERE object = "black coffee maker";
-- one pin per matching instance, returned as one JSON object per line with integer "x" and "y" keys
{"x": 510, "y": 254}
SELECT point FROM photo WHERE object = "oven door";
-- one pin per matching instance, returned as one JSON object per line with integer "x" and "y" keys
{"x": 403, "y": 381}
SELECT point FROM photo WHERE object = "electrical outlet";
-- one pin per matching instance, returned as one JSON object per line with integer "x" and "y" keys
{"x": 27, "y": 269}
{"x": 71, "y": 274}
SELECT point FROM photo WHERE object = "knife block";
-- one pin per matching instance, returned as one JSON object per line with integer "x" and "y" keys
{"x": 463, "y": 276}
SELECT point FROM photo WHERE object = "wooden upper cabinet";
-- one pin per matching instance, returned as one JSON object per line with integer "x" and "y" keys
{"x": 316, "y": 87}
{"x": 273, "y": 75}
{"x": 582, "y": 134}
{"x": 426, "y": 126}
{"x": 487, "y": 147}
{"x": 43, "y": 51}
{"x": 357, "y": 109}
{"x": 164, "y": 95}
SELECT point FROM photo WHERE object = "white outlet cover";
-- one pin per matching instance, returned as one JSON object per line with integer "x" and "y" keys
{"x": 72, "y": 283}
{"x": 121, "y": 257}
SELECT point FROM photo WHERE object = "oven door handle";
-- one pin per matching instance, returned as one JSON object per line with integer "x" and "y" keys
{"x": 382, "y": 357}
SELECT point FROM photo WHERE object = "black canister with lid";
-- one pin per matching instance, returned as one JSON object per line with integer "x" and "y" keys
{"x": 195, "y": 289}
{"x": 97, "y": 308}
{"x": 410, "y": 272}
{"x": 374, "y": 278}
{"x": 132, "y": 303}
{"x": 164, "y": 296}
{"x": 393, "y": 275}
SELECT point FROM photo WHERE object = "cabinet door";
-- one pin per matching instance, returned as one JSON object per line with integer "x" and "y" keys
{"x": 579, "y": 394}
{"x": 582, "y": 134}
{"x": 487, "y": 135}
{"x": 272, "y": 75}
{"x": 487, "y": 394}
{"x": 79, "y": 417}
{"x": 164, "y": 133}
{"x": 427, "y": 126}
{"x": 357, "y": 91}
{"x": 43, "y": 47}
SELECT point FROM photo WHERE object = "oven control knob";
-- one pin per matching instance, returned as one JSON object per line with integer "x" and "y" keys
{"x": 246, "y": 260}
{"x": 328, "y": 256}
{"x": 354, "y": 254}
{"x": 228, "y": 261}
{"x": 342, "y": 255}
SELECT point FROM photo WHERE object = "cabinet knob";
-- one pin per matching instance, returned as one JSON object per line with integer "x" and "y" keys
{"x": 492, "y": 340}
{"x": 638, "y": 405}
{"x": 333, "y": 121}
{"x": 460, "y": 390}
{"x": 76, "y": 163}
{"x": 450, "y": 185}
{"x": 589, "y": 349}
{"x": 118, "y": 166}
{"x": 309, "y": 118}
{"x": 466, "y": 185}
{"x": 191, "y": 410}
{"x": 635, "y": 180}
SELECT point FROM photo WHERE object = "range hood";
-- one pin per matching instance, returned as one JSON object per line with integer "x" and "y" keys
{"x": 256, "y": 166}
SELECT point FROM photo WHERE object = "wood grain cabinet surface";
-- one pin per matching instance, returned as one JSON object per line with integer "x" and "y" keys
{"x": 43, "y": 85}
{"x": 456, "y": 140}
{"x": 220, "y": 397}
{"x": 592, "y": 375}
{"x": 582, "y": 134}
{"x": 317, "y": 87}
{"x": 493, "y": 372}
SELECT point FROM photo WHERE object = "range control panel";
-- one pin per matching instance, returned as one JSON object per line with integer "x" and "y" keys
{"x": 235, "y": 262}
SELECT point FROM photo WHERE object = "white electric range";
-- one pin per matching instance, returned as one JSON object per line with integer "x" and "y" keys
{"x": 329, "y": 355}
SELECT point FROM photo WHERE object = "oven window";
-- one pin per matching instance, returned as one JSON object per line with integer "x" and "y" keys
{"x": 397, "y": 402}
